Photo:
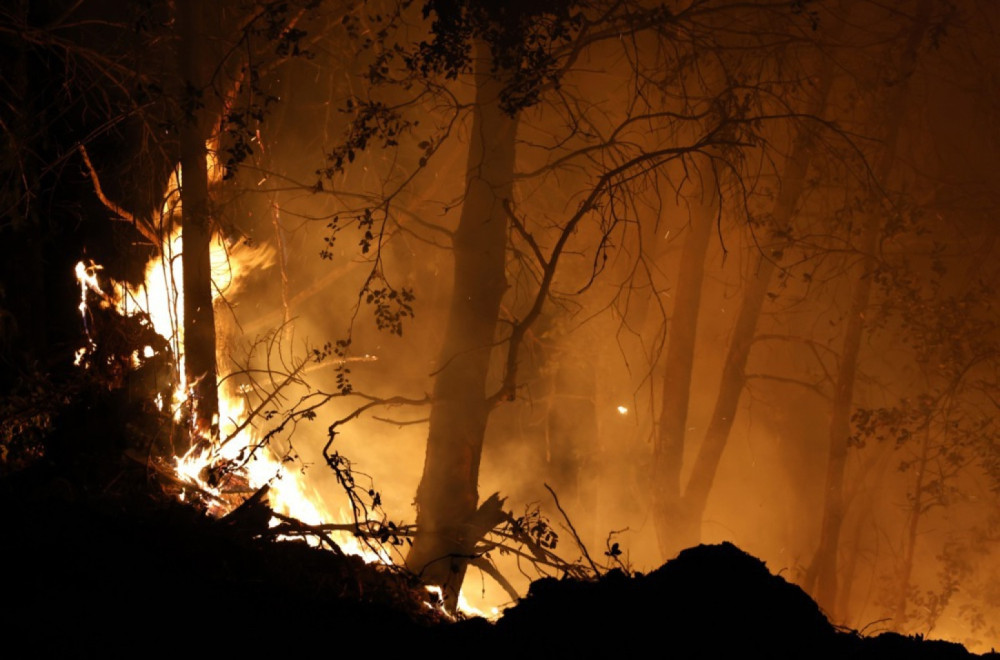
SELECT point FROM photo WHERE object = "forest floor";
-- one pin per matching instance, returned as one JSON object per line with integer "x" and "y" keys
{"x": 99, "y": 559}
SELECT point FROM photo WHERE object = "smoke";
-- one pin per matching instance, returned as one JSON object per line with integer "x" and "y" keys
{"x": 588, "y": 405}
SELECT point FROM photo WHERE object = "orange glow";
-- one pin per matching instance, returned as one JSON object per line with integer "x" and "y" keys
{"x": 237, "y": 451}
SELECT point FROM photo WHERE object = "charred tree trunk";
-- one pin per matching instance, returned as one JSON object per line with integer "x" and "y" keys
{"x": 199, "y": 319}
{"x": 822, "y": 573}
{"x": 448, "y": 492}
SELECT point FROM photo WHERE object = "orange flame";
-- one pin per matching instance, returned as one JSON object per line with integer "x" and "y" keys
{"x": 161, "y": 298}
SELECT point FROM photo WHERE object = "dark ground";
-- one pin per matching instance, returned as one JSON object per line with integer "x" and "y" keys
{"x": 98, "y": 559}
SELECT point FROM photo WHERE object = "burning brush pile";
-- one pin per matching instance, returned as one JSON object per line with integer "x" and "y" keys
{"x": 125, "y": 533}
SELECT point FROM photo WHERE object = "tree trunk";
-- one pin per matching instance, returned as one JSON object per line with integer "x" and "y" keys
{"x": 823, "y": 571}
{"x": 199, "y": 319}
{"x": 683, "y": 528}
{"x": 910, "y": 542}
{"x": 448, "y": 492}
{"x": 25, "y": 236}
{"x": 866, "y": 491}
{"x": 571, "y": 431}
{"x": 668, "y": 445}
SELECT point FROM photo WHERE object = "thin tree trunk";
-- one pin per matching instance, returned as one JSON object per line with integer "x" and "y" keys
{"x": 913, "y": 526}
{"x": 571, "y": 430}
{"x": 668, "y": 445}
{"x": 853, "y": 552}
{"x": 825, "y": 564}
{"x": 691, "y": 507}
{"x": 874, "y": 474}
{"x": 823, "y": 571}
{"x": 448, "y": 492}
{"x": 199, "y": 319}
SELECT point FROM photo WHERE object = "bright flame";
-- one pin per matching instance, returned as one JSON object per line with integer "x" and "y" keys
{"x": 227, "y": 468}
{"x": 86, "y": 276}
{"x": 622, "y": 410}
{"x": 468, "y": 609}
{"x": 438, "y": 603}
{"x": 161, "y": 295}
{"x": 236, "y": 457}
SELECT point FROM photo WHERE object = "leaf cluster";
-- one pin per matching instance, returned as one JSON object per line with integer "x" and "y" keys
{"x": 365, "y": 222}
{"x": 533, "y": 525}
{"x": 371, "y": 524}
{"x": 373, "y": 122}
{"x": 391, "y": 305}
{"x": 523, "y": 36}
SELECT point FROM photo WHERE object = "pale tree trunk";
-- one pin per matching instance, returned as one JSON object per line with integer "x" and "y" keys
{"x": 448, "y": 492}
{"x": 822, "y": 573}
{"x": 682, "y": 527}
{"x": 199, "y": 319}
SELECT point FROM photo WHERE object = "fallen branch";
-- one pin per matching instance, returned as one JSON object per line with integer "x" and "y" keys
{"x": 304, "y": 529}
{"x": 122, "y": 214}
{"x": 167, "y": 473}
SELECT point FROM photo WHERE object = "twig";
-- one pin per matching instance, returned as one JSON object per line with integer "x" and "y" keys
{"x": 546, "y": 558}
{"x": 304, "y": 528}
{"x": 572, "y": 530}
{"x": 401, "y": 422}
{"x": 168, "y": 474}
{"x": 486, "y": 566}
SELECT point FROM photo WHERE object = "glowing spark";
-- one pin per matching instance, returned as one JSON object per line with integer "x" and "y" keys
{"x": 622, "y": 410}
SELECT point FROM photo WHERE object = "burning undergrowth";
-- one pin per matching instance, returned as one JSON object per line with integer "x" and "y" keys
{"x": 101, "y": 557}
{"x": 103, "y": 554}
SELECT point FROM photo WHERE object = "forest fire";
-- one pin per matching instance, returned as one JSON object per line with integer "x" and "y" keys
{"x": 229, "y": 467}
{"x": 501, "y": 292}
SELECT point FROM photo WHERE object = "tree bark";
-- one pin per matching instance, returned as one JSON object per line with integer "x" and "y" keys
{"x": 448, "y": 492}
{"x": 199, "y": 319}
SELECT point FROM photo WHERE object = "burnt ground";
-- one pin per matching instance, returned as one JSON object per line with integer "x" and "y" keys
{"x": 97, "y": 577}
{"x": 98, "y": 559}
